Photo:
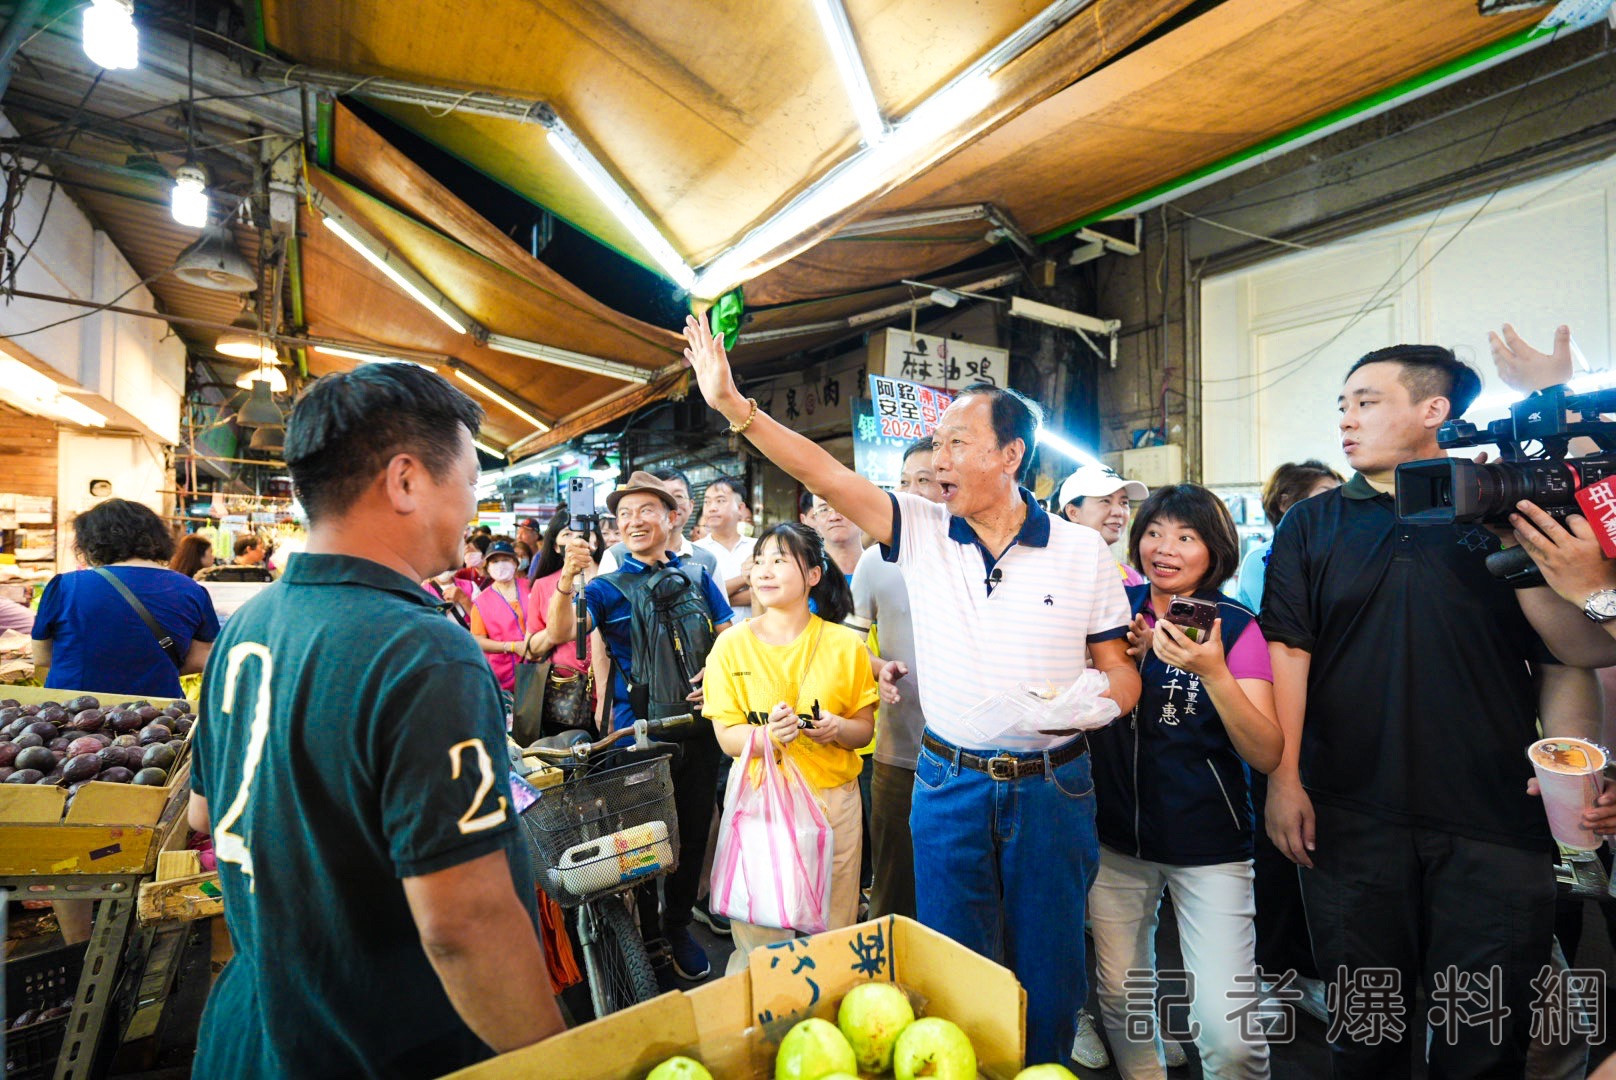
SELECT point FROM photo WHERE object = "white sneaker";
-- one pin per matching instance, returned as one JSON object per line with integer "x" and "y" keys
{"x": 1087, "y": 1048}
{"x": 1173, "y": 1052}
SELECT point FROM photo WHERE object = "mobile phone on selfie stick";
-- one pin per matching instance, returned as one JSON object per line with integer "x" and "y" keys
{"x": 581, "y": 518}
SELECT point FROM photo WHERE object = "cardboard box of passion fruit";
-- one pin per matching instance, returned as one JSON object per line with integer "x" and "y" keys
{"x": 97, "y": 803}
{"x": 734, "y": 1025}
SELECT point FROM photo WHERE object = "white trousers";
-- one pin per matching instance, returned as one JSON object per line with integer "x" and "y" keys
{"x": 1215, "y": 909}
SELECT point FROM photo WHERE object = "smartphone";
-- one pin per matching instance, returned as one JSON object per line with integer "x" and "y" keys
{"x": 581, "y": 504}
{"x": 1194, "y": 616}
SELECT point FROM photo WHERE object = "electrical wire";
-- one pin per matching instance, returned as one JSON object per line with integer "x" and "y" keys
{"x": 61, "y": 129}
{"x": 87, "y": 312}
{"x": 50, "y": 196}
{"x": 64, "y": 13}
{"x": 1240, "y": 232}
{"x": 1358, "y": 176}
{"x": 1282, "y": 372}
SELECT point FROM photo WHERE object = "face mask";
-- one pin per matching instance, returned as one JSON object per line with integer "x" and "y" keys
{"x": 445, "y": 577}
{"x": 522, "y": 564}
{"x": 502, "y": 570}
{"x": 474, "y": 559}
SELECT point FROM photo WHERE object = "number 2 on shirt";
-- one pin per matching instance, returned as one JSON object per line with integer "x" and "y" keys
{"x": 485, "y": 765}
{"x": 228, "y": 846}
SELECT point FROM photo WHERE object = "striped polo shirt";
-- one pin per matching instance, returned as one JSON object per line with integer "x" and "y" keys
{"x": 984, "y": 625}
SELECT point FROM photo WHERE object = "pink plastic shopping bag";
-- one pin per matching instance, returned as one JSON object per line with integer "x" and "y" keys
{"x": 775, "y": 847}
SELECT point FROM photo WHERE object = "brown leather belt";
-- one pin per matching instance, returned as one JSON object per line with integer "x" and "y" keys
{"x": 1006, "y": 766}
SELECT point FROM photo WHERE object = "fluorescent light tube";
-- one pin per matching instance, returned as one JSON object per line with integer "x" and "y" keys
{"x": 368, "y": 358}
{"x": 859, "y": 176}
{"x": 494, "y": 395}
{"x": 850, "y": 65}
{"x": 610, "y": 192}
{"x": 1072, "y": 450}
{"x": 567, "y": 358}
{"x": 382, "y": 262}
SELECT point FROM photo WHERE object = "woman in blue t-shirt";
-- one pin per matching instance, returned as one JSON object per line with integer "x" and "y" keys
{"x": 1172, "y": 808}
{"x": 91, "y": 638}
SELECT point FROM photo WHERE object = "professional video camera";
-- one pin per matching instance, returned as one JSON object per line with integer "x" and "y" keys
{"x": 1448, "y": 491}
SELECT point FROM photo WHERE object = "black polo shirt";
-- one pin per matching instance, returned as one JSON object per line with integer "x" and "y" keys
{"x": 350, "y": 737}
{"x": 1420, "y": 697}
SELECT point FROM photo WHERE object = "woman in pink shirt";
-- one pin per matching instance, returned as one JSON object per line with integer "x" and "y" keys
{"x": 547, "y": 576}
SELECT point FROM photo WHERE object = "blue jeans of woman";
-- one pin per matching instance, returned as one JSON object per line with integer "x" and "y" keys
{"x": 1004, "y": 867}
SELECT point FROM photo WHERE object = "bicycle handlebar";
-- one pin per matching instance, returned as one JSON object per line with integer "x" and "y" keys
{"x": 644, "y": 733}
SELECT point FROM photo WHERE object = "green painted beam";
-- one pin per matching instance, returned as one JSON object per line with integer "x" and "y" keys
{"x": 1392, "y": 93}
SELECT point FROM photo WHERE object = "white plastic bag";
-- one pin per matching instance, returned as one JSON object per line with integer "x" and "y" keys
{"x": 775, "y": 847}
{"x": 1028, "y": 715}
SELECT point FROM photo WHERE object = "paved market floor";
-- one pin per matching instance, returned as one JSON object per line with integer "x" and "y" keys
{"x": 1304, "y": 1058}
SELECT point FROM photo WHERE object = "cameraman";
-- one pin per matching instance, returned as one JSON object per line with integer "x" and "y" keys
{"x": 1403, "y": 806}
{"x": 1579, "y": 631}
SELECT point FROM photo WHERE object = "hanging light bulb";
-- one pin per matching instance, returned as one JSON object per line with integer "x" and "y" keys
{"x": 245, "y": 341}
{"x": 110, "y": 37}
{"x": 267, "y": 371}
{"x": 189, "y": 204}
{"x": 602, "y": 469}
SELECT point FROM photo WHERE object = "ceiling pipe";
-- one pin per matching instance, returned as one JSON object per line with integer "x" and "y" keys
{"x": 22, "y": 23}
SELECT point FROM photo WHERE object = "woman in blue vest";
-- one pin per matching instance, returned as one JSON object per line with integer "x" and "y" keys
{"x": 1173, "y": 809}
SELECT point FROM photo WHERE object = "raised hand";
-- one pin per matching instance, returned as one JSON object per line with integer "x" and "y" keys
{"x": 708, "y": 359}
{"x": 1140, "y": 636}
{"x": 1525, "y": 369}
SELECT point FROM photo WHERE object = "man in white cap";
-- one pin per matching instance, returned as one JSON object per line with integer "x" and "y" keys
{"x": 1099, "y": 497}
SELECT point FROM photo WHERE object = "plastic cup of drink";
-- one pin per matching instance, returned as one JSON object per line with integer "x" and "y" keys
{"x": 1568, "y": 774}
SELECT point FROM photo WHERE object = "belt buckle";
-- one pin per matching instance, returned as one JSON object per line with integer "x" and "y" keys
{"x": 1003, "y": 767}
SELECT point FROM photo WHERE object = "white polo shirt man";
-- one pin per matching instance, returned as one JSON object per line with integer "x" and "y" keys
{"x": 1004, "y": 841}
{"x": 982, "y": 627}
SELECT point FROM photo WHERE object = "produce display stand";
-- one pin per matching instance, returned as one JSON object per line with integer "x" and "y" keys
{"x": 102, "y": 848}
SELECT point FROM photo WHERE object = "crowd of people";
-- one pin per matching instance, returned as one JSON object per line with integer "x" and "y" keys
{"x": 1327, "y": 779}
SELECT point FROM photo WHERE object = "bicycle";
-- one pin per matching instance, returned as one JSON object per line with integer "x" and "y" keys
{"x": 605, "y": 830}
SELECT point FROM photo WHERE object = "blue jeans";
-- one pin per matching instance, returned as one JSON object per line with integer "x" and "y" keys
{"x": 1004, "y": 867}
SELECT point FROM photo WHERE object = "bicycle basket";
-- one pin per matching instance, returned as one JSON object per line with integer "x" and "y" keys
{"x": 603, "y": 832}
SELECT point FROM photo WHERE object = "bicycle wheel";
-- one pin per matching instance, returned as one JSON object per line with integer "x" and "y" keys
{"x": 619, "y": 970}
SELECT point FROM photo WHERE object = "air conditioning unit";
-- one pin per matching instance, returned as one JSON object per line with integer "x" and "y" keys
{"x": 1153, "y": 466}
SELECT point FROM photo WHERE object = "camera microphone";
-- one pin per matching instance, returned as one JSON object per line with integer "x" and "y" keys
{"x": 994, "y": 578}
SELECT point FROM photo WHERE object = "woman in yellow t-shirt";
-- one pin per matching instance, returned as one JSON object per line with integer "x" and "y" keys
{"x": 806, "y": 682}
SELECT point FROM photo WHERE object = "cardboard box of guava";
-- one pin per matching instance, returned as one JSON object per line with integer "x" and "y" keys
{"x": 734, "y": 1025}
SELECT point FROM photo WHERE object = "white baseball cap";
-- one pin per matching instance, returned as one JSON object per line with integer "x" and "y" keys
{"x": 1097, "y": 481}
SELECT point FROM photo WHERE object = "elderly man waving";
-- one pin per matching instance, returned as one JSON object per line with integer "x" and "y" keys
{"x": 1003, "y": 594}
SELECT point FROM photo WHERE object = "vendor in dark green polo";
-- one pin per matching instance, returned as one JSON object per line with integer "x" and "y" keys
{"x": 350, "y": 763}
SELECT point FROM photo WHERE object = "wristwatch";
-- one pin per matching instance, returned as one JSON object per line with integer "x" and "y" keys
{"x": 1601, "y": 606}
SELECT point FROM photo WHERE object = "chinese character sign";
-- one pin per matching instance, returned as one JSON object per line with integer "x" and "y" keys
{"x": 906, "y": 410}
{"x": 942, "y": 362}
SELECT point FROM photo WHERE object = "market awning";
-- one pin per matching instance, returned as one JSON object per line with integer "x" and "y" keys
{"x": 715, "y": 116}
{"x": 1239, "y": 74}
{"x": 712, "y": 115}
